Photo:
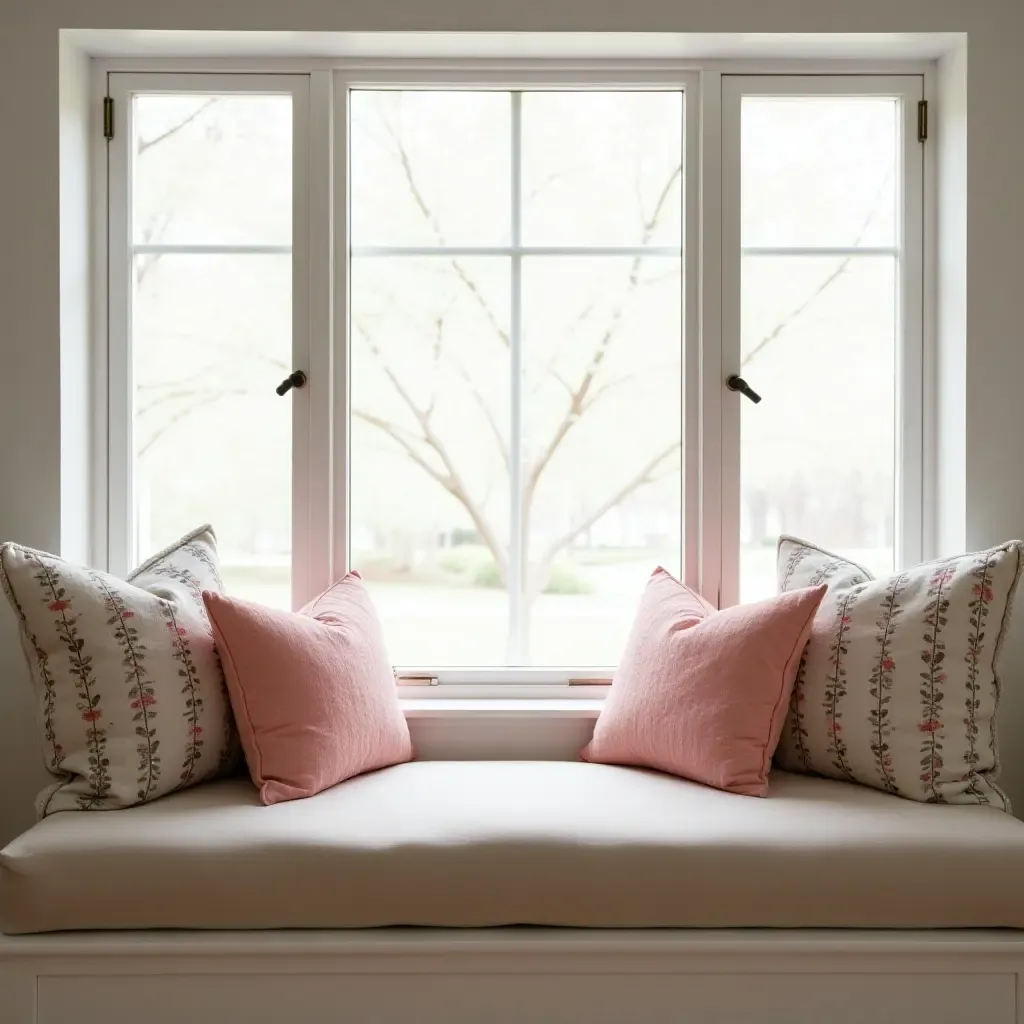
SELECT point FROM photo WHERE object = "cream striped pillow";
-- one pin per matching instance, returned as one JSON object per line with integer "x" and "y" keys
{"x": 898, "y": 686}
{"x": 131, "y": 695}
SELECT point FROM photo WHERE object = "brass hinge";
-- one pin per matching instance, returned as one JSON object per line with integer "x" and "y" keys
{"x": 108, "y": 117}
{"x": 592, "y": 681}
{"x": 922, "y": 121}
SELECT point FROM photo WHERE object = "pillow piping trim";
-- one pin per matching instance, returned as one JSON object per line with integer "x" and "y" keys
{"x": 171, "y": 548}
{"x": 324, "y": 593}
{"x": 789, "y": 538}
{"x": 997, "y": 682}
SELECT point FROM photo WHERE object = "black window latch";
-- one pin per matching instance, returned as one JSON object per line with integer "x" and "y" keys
{"x": 293, "y": 380}
{"x": 737, "y": 383}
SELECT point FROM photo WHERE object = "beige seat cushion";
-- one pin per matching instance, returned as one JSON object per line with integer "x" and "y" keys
{"x": 497, "y": 843}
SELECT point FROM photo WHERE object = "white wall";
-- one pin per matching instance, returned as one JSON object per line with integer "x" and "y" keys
{"x": 76, "y": 149}
{"x": 40, "y": 506}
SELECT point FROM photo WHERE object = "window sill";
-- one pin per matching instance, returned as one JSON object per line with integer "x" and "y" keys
{"x": 501, "y": 708}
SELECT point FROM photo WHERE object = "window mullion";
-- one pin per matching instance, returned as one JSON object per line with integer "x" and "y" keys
{"x": 517, "y": 654}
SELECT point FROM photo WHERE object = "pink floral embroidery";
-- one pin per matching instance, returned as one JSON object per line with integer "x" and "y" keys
{"x": 189, "y": 579}
{"x": 835, "y": 690}
{"x": 141, "y": 694}
{"x": 933, "y": 678}
{"x": 97, "y": 774}
{"x": 795, "y": 558}
{"x": 981, "y": 598}
{"x": 881, "y": 683}
{"x": 797, "y": 717}
{"x": 182, "y": 652}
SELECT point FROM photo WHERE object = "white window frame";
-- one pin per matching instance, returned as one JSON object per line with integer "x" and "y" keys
{"x": 909, "y": 248}
{"x": 320, "y": 312}
{"x": 310, "y": 405}
{"x": 520, "y": 79}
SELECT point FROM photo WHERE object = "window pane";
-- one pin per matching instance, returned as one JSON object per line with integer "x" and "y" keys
{"x": 602, "y": 168}
{"x": 817, "y": 454}
{"x": 819, "y": 170}
{"x": 211, "y": 338}
{"x": 449, "y": 448}
{"x": 430, "y": 168}
{"x": 429, "y": 449}
{"x": 212, "y": 170}
{"x": 602, "y": 351}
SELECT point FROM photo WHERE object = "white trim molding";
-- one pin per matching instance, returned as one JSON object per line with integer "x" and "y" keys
{"x": 440, "y": 976}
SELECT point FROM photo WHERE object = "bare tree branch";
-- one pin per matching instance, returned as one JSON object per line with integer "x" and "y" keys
{"x": 435, "y": 351}
{"x": 456, "y": 264}
{"x": 202, "y": 395}
{"x": 145, "y": 144}
{"x": 453, "y": 481}
{"x": 209, "y": 398}
{"x": 838, "y": 272}
{"x": 613, "y": 385}
{"x": 652, "y": 222}
{"x": 644, "y": 476}
{"x": 443, "y": 355}
{"x": 802, "y": 308}
{"x": 485, "y": 409}
{"x": 547, "y": 182}
{"x": 153, "y": 231}
{"x": 578, "y": 396}
{"x": 404, "y": 439}
{"x": 231, "y": 352}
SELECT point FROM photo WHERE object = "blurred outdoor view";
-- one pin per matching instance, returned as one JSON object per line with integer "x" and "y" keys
{"x": 491, "y": 232}
{"x": 519, "y": 271}
{"x": 211, "y": 331}
{"x": 819, "y": 332}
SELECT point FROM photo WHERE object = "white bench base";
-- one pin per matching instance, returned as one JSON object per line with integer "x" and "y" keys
{"x": 507, "y": 976}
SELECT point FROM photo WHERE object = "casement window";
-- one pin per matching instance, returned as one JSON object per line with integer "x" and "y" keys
{"x": 516, "y": 297}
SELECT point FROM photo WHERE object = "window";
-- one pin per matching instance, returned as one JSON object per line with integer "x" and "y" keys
{"x": 517, "y": 298}
{"x": 203, "y": 320}
{"x": 822, "y": 286}
{"x": 516, "y": 355}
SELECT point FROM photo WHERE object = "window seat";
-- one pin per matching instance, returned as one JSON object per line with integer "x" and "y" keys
{"x": 472, "y": 844}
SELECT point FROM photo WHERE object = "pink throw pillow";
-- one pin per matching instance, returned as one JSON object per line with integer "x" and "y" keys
{"x": 313, "y": 693}
{"x": 702, "y": 693}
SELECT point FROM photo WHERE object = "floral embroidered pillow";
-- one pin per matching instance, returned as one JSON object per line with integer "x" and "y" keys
{"x": 130, "y": 689}
{"x": 899, "y": 684}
